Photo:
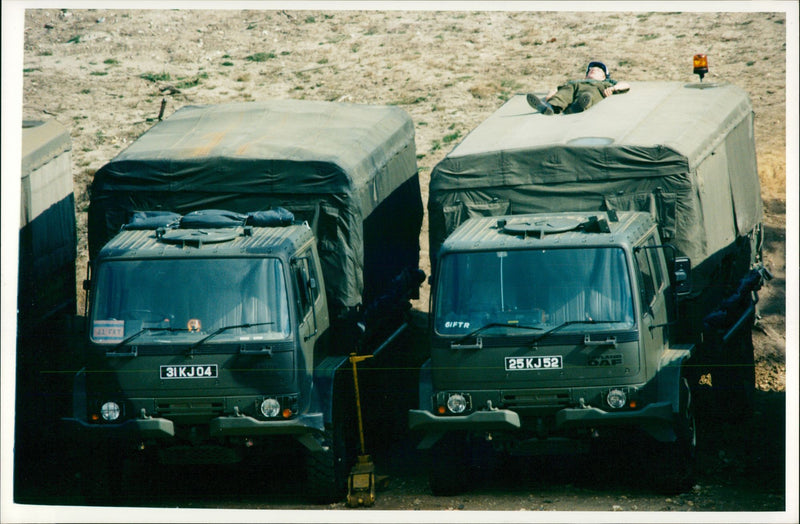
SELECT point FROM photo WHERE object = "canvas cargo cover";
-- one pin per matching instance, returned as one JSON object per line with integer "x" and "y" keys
{"x": 684, "y": 152}
{"x": 332, "y": 164}
{"x": 47, "y": 235}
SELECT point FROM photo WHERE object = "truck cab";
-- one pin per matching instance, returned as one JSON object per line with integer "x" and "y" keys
{"x": 607, "y": 315}
{"x": 240, "y": 253}
{"x": 550, "y": 332}
{"x": 207, "y": 344}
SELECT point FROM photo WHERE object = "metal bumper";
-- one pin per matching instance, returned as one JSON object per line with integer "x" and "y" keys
{"x": 655, "y": 419}
{"x": 303, "y": 428}
{"x": 435, "y": 427}
{"x": 147, "y": 428}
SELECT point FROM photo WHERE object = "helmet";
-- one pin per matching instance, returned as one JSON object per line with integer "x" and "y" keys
{"x": 601, "y": 65}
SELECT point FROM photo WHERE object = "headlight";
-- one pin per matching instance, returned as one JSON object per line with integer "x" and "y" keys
{"x": 270, "y": 408}
{"x": 616, "y": 398}
{"x": 456, "y": 403}
{"x": 110, "y": 411}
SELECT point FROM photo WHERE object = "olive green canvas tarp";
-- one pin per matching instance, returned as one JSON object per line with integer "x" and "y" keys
{"x": 332, "y": 164}
{"x": 682, "y": 151}
{"x": 47, "y": 232}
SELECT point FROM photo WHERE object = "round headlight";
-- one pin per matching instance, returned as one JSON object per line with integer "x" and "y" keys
{"x": 456, "y": 403}
{"x": 270, "y": 408}
{"x": 110, "y": 411}
{"x": 616, "y": 398}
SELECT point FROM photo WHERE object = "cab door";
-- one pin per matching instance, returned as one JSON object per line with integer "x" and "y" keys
{"x": 310, "y": 303}
{"x": 652, "y": 291}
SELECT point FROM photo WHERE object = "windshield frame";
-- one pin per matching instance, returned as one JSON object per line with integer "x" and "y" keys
{"x": 564, "y": 328}
{"x": 180, "y": 331}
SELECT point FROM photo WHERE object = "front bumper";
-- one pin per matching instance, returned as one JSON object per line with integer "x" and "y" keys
{"x": 655, "y": 419}
{"x": 304, "y": 428}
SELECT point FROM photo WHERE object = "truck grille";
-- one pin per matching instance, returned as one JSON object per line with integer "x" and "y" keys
{"x": 190, "y": 408}
{"x": 536, "y": 399}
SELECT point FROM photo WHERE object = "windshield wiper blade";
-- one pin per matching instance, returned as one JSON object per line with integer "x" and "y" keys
{"x": 570, "y": 323}
{"x": 472, "y": 334}
{"x": 221, "y": 330}
{"x": 113, "y": 352}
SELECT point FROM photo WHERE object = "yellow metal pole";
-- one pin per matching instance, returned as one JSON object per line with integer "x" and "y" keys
{"x": 353, "y": 360}
{"x": 361, "y": 483}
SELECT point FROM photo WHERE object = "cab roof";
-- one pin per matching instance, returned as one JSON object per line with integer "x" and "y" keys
{"x": 216, "y": 242}
{"x": 550, "y": 230}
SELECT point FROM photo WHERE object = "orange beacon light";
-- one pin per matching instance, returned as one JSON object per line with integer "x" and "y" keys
{"x": 700, "y": 65}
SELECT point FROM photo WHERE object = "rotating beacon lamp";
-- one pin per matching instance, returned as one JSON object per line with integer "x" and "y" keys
{"x": 700, "y": 65}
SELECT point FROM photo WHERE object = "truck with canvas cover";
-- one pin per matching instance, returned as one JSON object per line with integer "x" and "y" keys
{"x": 588, "y": 269}
{"x": 46, "y": 293}
{"x": 239, "y": 254}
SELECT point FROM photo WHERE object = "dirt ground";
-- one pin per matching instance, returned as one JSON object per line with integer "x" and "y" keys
{"x": 104, "y": 73}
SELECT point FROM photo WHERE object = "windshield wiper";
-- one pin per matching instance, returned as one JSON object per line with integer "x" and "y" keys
{"x": 570, "y": 323}
{"x": 221, "y": 330}
{"x": 459, "y": 344}
{"x": 132, "y": 353}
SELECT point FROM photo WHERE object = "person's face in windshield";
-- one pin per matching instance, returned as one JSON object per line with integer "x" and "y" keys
{"x": 595, "y": 73}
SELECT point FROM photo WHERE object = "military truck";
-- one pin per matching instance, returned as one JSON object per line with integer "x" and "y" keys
{"x": 239, "y": 254}
{"x": 589, "y": 270}
{"x": 46, "y": 292}
{"x": 47, "y": 238}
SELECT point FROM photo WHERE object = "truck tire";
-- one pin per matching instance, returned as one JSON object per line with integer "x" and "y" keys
{"x": 327, "y": 470}
{"x": 99, "y": 477}
{"x": 137, "y": 474}
{"x": 735, "y": 379}
{"x": 448, "y": 468}
{"x": 676, "y": 461}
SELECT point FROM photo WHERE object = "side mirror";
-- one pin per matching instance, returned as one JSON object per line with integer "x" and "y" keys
{"x": 682, "y": 276}
{"x": 87, "y": 285}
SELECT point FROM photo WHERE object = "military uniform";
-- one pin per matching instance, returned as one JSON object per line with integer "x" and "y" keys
{"x": 566, "y": 99}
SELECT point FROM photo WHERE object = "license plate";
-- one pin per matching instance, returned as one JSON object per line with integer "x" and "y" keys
{"x": 532, "y": 363}
{"x": 190, "y": 371}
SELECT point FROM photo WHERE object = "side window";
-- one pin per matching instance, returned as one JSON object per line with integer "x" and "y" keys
{"x": 645, "y": 276}
{"x": 655, "y": 263}
{"x": 305, "y": 281}
{"x": 313, "y": 281}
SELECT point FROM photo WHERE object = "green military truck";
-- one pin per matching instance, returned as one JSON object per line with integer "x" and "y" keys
{"x": 46, "y": 291}
{"x": 588, "y": 269}
{"x": 239, "y": 254}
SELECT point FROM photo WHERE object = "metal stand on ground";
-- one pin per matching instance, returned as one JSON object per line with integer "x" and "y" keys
{"x": 361, "y": 483}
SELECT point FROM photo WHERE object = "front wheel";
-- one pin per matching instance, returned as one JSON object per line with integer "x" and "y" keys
{"x": 735, "y": 379}
{"x": 676, "y": 465}
{"x": 448, "y": 465}
{"x": 327, "y": 470}
{"x": 99, "y": 476}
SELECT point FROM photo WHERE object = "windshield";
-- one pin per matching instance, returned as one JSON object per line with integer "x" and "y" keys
{"x": 184, "y": 300}
{"x": 533, "y": 288}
